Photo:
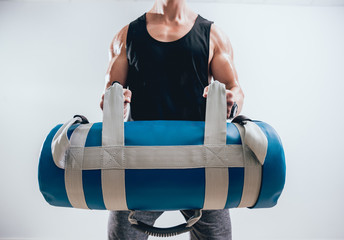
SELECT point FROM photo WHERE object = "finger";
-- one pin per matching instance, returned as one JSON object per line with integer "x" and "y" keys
{"x": 229, "y": 109}
{"x": 125, "y": 110}
{"x": 127, "y": 92}
{"x": 205, "y": 91}
{"x": 229, "y": 94}
{"x": 127, "y": 95}
{"x": 230, "y": 102}
{"x": 127, "y": 99}
{"x": 102, "y": 102}
{"x": 229, "y": 98}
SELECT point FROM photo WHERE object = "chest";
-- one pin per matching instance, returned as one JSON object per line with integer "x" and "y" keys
{"x": 168, "y": 32}
{"x": 171, "y": 33}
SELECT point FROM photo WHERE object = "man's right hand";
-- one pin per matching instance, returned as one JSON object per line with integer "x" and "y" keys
{"x": 126, "y": 97}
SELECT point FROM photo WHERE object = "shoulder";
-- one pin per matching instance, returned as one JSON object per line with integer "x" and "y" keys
{"x": 220, "y": 40}
{"x": 121, "y": 35}
{"x": 133, "y": 29}
{"x": 118, "y": 41}
{"x": 120, "y": 38}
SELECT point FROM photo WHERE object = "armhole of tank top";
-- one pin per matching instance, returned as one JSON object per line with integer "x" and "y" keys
{"x": 127, "y": 40}
{"x": 208, "y": 51}
{"x": 132, "y": 25}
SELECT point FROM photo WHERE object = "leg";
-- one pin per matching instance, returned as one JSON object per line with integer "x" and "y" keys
{"x": 214, "y": 224}
{"x": 120, "y": 228}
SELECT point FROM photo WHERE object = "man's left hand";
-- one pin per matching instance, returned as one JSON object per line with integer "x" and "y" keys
{"x": 229, "y": 99}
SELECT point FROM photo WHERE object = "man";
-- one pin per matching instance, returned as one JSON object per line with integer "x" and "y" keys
{"x": 167, "y": 57}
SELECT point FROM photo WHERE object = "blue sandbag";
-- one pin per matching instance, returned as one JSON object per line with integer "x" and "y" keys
{"x": 164, "y": 189}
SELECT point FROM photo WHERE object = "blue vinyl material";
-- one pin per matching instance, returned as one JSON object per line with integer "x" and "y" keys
{"x": 164, "y": 189}
{"x": 235, "y": 186}
{"x": 169, "y": 189}
{"x": 273, "y": 170}
{"x": 50, "y": 177}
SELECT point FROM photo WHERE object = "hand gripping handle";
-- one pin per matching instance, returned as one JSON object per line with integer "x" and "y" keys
{"x": 164, "y": 232}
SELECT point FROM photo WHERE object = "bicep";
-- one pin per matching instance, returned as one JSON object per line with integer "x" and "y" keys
{"x": 223, "y": 69}
{"x": 222, "y": 64}
{"x": 117, "y": 70}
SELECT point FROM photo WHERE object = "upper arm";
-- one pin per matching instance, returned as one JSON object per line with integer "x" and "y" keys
{"x": 118, "y": 67}
{"x": 222, "y": 63}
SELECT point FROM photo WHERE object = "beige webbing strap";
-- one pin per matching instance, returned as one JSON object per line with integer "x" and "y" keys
{"x": 60, "y": 143}
{"x": 160, "y": 157}
{"x": 113, "y": 180}
{"x": 215, "y": 130}
{"x": 256, "y": 140}
{"x": 73, "y": 168}
{"x": 253, "y": 166}
{"x": 215, "y": 133}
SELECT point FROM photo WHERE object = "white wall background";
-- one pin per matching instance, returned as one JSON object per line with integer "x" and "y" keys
{"x": 290, "y": 60}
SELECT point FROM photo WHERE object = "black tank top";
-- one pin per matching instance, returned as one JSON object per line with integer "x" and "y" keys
{"x": 167, "y": 79}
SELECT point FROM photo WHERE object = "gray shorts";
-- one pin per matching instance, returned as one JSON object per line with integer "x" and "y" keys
{"x": 214, "y": 224}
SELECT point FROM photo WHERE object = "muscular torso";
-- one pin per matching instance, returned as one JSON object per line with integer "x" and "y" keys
{"x": 220, "y": 62}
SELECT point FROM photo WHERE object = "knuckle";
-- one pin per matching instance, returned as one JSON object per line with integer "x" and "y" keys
{"x": 229, "y": 93}
{"x": 127, "y": 92}
{"x": 230, "y": 102}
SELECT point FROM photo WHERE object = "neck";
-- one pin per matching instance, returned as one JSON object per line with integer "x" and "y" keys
{"x": 170, "y": 9}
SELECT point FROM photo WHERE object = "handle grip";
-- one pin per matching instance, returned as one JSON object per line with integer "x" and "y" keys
{"x": 164, "y": 232}
{"x": 161, "y": 232}
{"x": 60, "y": 143}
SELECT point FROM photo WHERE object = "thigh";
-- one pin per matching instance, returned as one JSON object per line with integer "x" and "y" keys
{"x": 214, "y": 224}
{"x": 120, "y": 228}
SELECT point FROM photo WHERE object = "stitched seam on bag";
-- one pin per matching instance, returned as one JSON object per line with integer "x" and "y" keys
{"x": 215, "y": 155}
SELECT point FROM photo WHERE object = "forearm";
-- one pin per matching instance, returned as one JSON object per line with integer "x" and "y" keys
{"x": 117, "y": 72}
{"x": 238, "y": 96}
